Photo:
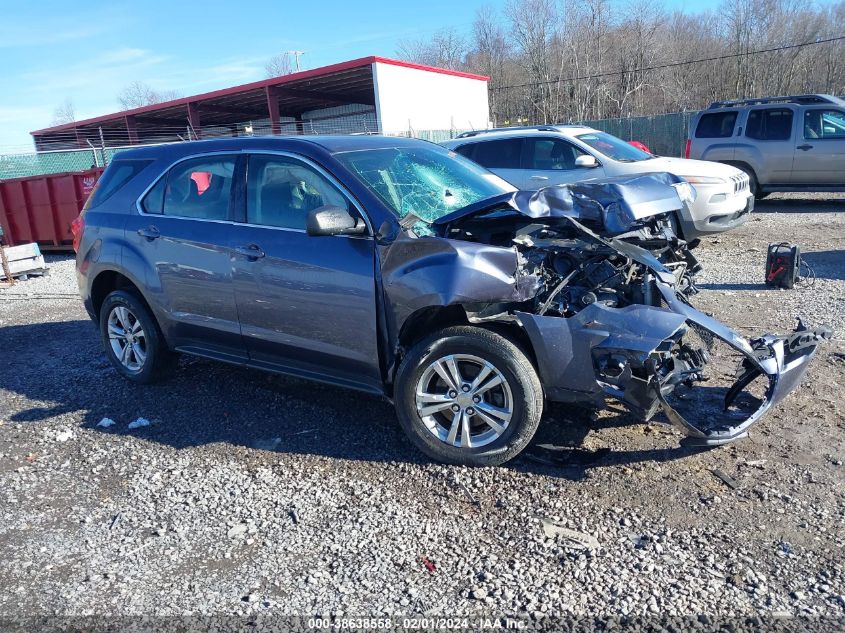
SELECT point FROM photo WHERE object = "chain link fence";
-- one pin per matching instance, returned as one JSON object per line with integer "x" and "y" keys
{"x": 665, "y": 134}
{"x": 60, "y": 161}
{"x": 42, "y": 163}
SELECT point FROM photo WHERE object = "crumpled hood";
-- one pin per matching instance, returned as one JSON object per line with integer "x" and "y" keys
{"x": 618, "y": 204}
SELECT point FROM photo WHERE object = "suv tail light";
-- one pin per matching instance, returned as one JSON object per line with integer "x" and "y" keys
{"x": 687, "y": 148}
{"x": 77, "y": 226}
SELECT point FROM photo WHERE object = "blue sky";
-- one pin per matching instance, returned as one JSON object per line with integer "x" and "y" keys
{"x": 51, "y": 50}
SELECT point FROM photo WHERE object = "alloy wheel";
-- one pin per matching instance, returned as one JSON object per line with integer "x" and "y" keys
{"x": 464, "y": 400}
{"x": 127, "y": 338}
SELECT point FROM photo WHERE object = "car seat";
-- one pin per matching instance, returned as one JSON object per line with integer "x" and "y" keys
{"x": 182, "y": 196}
{"x": 812, "y": 125}
{"x": 275, "y": 206}
{"x": 562, "y": 157}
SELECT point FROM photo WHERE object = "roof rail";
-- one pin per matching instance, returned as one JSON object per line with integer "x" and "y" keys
{"x": 540, "y": 128}
{"x": 800, "y": 99}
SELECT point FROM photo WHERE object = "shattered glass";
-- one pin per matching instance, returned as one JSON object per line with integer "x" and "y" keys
{"x": 428, "y": 183}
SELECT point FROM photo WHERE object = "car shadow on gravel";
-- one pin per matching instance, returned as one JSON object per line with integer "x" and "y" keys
{"x": 800, "y": 205}
{"x": 749, "y": 286}
{"x": 825, "y": 264}
{"x": 559, "y": 448}
{"x": 61, "y": 371}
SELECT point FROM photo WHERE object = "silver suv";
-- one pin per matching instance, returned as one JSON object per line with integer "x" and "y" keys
{"x": 535, "y": 157}
{"x": 783, "y": 143}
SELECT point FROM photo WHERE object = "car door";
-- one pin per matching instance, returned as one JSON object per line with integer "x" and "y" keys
{"x": 180, "y": 237}
{"x": 551, "y": 161}
{"x": 501, "y": 156}
{"x": 306, "y": 304}
{"x": 772, "y": 132}
{"x": 820, "y": 148}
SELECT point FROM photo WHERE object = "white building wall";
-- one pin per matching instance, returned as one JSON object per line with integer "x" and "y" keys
{"x": 425, "y": 100}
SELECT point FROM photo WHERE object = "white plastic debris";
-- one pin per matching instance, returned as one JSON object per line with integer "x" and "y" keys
{"x": 569, "y": 538}
{"x": 106, "y": 423}
{"x": 140, "y": 422}
{"x": 64, "y": 435}
{"x": 237, "y": 530}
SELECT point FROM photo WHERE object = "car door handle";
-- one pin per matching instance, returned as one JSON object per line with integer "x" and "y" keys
{"x": 150, "y": 233}
{"x": 539, "y": 177}
{"x": 250, "y": 251}
{"x": 804, "y": 147}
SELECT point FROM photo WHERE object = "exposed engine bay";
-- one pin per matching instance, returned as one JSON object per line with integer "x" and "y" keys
{"x": 601, "y": 285}
{"x": 561, "y": 245}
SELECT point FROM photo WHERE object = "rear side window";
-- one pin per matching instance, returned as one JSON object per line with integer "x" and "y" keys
{"x": 716, "y": 125}
{"x": 154, "y": 200}
{"x": 502, "y": 154}
{"x": 114, "y": 178}
{"x": 198, "y": 188}
{"x": 774, "y": 124}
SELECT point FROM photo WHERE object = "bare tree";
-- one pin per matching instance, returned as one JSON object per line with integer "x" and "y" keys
{"x": 64, "y": 112}
{"x": 445, "y": 49}
{"x": 278, "y": 65}
{"x": 560, "y": 60}
{"x": 490, "y": 56}
{"x": 138, "y": 94}
{"x": 534, "y": 27}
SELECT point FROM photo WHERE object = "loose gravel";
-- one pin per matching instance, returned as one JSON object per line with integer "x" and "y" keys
{"x": 250, "y": 494}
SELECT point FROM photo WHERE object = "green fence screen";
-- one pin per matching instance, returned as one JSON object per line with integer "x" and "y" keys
{"x": 665, "y": 134}
{"x": 41, "y": 163}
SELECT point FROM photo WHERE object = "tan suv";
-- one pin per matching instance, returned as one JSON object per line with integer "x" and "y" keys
{"x": 783, "y": 143}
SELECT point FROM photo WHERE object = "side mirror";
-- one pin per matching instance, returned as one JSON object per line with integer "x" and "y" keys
{"x": 586, "y": 161}
{"x": 331, "y": 220}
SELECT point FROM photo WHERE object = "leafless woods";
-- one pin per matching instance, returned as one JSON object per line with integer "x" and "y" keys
{"x": 554, "y": 61}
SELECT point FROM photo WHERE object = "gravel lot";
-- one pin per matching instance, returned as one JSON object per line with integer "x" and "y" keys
{"x": 249, "y": 493}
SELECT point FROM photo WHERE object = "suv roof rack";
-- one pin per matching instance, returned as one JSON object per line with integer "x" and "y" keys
{"x": 800, "y": 99}
{"x": 539, "y": 128}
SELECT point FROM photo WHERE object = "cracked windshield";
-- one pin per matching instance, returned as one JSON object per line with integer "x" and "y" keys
{"x": 427, "y": 183}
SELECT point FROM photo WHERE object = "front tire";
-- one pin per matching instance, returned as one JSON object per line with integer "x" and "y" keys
{"x": 468, "y": 396}
{"x": 132, "y": 339}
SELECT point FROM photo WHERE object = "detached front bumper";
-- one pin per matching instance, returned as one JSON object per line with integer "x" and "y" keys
{"x": 782, "y": 360}
{"x": 648, "y": 358}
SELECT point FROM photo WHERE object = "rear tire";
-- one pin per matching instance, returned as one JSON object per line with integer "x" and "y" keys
{"x": 132, "y": 340}
{"x": 492, "y": 424}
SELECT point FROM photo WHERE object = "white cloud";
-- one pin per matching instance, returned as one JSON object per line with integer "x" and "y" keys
{"x": 111, "y": 70}
{"x": 48, "y": 30}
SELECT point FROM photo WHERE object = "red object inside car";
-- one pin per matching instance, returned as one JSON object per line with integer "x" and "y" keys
{"x": 203, "y": 180}
{"x": 639, "y": 145}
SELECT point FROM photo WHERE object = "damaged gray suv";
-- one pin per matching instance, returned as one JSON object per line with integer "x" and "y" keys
{"x": 401, "y": 269}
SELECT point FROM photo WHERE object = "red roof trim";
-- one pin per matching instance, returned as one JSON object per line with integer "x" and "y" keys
{"x": 431, "y": 69}
{"x": 273, "y": 81}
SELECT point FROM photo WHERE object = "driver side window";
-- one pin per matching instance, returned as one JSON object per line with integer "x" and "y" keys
{"x": 281, "y": 191}
{"x": 824, "y": 124}
{"x": 550, "y": 154}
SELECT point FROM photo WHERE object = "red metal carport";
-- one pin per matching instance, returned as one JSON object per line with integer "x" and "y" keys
{"x": 277, "y": 101}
